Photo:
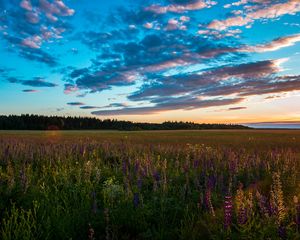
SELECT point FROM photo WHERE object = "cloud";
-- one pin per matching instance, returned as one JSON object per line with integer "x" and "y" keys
{"x": 182, "y": 7}
{"x": 88, "y": 107}
{"x": 174, "y": 24}
{"x": 55, "y": 9}
{"x": 32, "y": 42}
{"x": 112, "y": 105}
{"x": 271, "y": 46}
{"x": 236, "y": 108}
{"x": 39, "y": 55}
{"x": 264, "y": 11}
{"x": 29, "y": 90}
{"x": 281, "y": 124}
{"x": 219, "y": 34}
{"x": 238, "y": 3}
{"x": 70, "y": 88}
{"x": 35, "y": 82}
{"x": 124, "y": 63}
{"x": 207, "y": 82}
{"x": 75, "y": 103}
{"x": 26, "y": 4}
{"x": 32, "y": 23}
{"x": 183, "y": 103}
{"x": 274, "y": 45}
{"x": 260, "y": 86}
{"x": 31, "y": 53}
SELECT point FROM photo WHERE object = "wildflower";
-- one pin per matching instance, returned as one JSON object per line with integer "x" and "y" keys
{"x": 297, "y": 218}
{"x": 282, "y": 232}
{"x": 278, "y": 197}
{"x": 208, "y": 202}
{"x": 136, "y": 167}
{"x": 262, "y": 202}
{"x": 227, "y": 212}
{"x": 140, "y": 183}
{"x": 6, "y": 153}
{"x": 136, "y": 199}
{"x": 124, "y": 167}
{"x": 241, "y": 206}
{"x": 94, "y": 207}
{"x": 196, "y": 164}
{"x": 23, "y": 179}
{"x": 107, "y": 222}
{"x": 91, "y": 233}
{"x": 156, "y": 176}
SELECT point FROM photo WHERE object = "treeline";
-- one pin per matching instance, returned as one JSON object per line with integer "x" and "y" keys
{"x": 36, "y": 122}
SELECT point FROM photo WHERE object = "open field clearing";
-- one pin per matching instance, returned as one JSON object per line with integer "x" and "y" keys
{"x": 217, "y": 184}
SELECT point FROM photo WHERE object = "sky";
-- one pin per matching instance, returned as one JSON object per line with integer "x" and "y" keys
{"x": 211, "y": 61}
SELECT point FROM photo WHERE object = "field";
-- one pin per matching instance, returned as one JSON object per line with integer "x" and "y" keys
{"x": 230, "y": 184}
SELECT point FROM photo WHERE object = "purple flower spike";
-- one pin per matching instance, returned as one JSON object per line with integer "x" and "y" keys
{"x": 282, "y": 232}
{"x": 136, "y": 200}
{"x": 124, "y": 167}
{"x": 156, "y": 176}
{"x": 140, "y": 183}
{"x": 227, "y": 212}
{"x": 298, "y": 216}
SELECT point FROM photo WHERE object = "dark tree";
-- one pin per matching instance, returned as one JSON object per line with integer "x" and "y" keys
{"x": 36, "y": 122}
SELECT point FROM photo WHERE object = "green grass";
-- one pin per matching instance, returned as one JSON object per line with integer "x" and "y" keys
{"x": 227, "y": 184}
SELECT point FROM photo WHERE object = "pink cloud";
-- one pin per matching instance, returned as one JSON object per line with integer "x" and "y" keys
{"x": 176, "y": 8}
{"x": 218, "y": 34}
{"x": 148, "y": 25}
{"x": 70, "y": 89}
{"x": 174, "y": 24}
{"x": 30, "y": 91}
{"x": 185, "y": 19}
{"x": 26, "y": 4}
{"x": 32, "y": 42}
{"x": 57, "y": 8}
{"x": 229, "y": 22}
{"x": 274, "y": 45}
{"x": 291, "y": 7}
{"x": 166, "y": 65}
{"x": 35, "y": 12}
{"x": 152, "y": 25}
{"x": 239, "y": 3}
{"x": 32, "y": 17}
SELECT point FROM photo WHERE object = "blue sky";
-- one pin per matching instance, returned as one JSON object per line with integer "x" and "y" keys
{"x": 191, "y": 60}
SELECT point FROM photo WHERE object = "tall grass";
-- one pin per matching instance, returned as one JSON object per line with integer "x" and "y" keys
{"x": 91, "y": 189}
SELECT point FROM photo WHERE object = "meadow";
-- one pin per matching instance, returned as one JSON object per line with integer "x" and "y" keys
{"x": 208, "y": 184}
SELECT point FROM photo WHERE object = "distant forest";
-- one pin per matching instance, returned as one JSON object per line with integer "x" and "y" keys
{"x": 36, "y": 122}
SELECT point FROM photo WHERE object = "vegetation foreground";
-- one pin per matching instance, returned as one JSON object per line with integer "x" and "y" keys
{"x": 150, "y": 185}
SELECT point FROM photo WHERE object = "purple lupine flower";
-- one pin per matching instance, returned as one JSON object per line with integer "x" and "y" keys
{"x": 156, "y": 176}
{"x": 211, "y": 181}
{"x": 24, "y": 180}
{"x": 136, "y": 167}
{"x": 186, "y": 168}
{"x": 242, "y": 216}
{"x": 6, "y": 153}
{"x": 262, "y": 203}
{"x": 124, "y": 167}
{"x": 140, "y": 183}
{"x": 282, "y": 232}
{"x": 196, "y": 164}
{"x": 143, "y": 172}
{"x": 136, "y": 199}
{"x": 227, "y": 212}
{"x": 208, "y": 203}
{"x": 298, "y": 216}
{"x": 94, "y": 207}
